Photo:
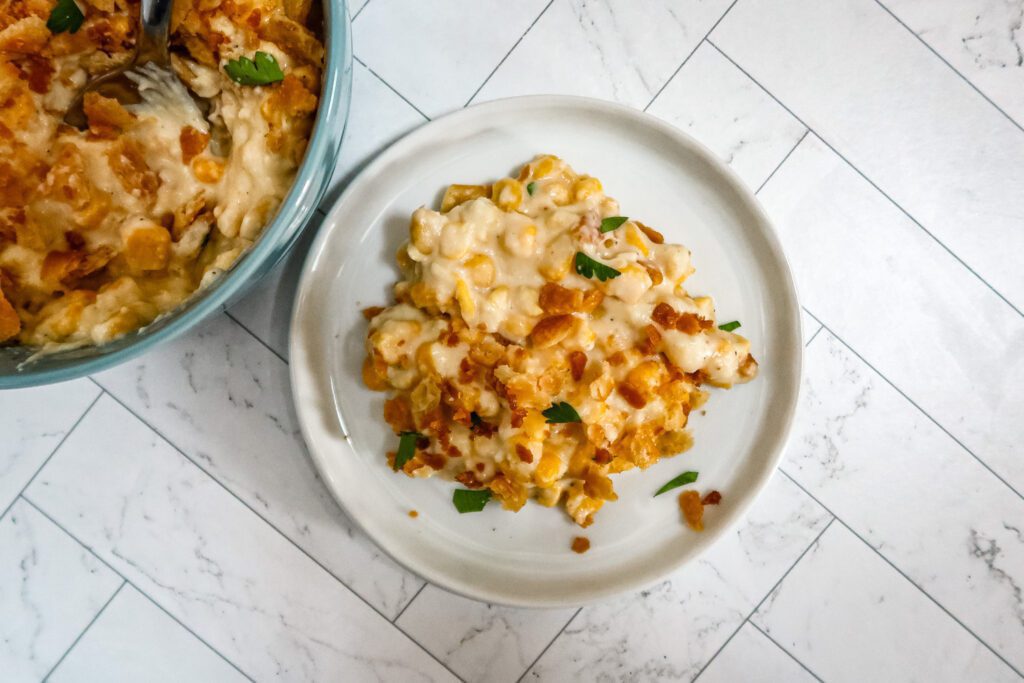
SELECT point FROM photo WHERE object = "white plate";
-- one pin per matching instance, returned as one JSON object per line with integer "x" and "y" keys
{"x": 659, "y": 175}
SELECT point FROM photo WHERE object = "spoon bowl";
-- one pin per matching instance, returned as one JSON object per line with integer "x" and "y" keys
{"x": 150, "y": 63}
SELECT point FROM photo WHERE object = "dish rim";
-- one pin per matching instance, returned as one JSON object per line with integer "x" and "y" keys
{"x": 793, "y": 356}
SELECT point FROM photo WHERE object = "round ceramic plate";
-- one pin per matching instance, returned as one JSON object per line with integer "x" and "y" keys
{"x": 660, "y": 176}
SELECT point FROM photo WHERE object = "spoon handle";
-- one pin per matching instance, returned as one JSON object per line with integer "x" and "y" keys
{"x": 155, "y": 22}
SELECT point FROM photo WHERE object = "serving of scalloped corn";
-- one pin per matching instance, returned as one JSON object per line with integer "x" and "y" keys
{"x": 541, "y": 342}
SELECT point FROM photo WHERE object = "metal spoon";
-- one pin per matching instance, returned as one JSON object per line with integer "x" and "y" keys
{"x": 150, "y": 71}
{"x": 151, "y": 61}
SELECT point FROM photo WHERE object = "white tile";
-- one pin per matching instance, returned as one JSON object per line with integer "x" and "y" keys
{"x": 912, "y": 125}
{"x": 33, "y": 423}
{"x": 751, "y": 656}
{"x": 213, "y": 564}
{"x": 672, "y": 630}
{"x": 864, "y": 452}
{"x": 266, "y": 311}
{"x": 849, "y": 616}
{"x": 982, "y": 39}
{"x": 355, "y": 6}
{"x": 718, "y": 104}
{"x": 50, "y": 589}
{"x": 377, "y": 117}
{"x": 224, "y": 399}
{"x": 616, "y": 50}
{"x": 438, "y": 53}
{"x": 134, "y": 640}
{"x": 866, "y": 271}
{"x": 808, "y": 326}
{"x": 479, "y": 641}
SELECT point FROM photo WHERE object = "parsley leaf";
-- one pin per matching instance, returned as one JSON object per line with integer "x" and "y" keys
{"x": 406, "y": 448}
{"x": 612, "y": 222}
{"x": 261, "y": 70}
{"x": 65, "y": 16}
{"x": 729, "y": 327}
{"x": 560, "y": 413}
{"x": 681, "y": 480}
{"x": 470, "y": 501}
{"x": 530, "y": 187}
{"x": 588, "y": 267}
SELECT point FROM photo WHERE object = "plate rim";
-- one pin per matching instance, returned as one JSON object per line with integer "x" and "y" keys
{"x": 300, "y": 376}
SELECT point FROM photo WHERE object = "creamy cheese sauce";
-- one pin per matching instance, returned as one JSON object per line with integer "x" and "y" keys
{"x": 502, "y": 315}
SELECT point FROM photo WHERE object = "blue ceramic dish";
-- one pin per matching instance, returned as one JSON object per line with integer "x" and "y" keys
{"x": 278, "y": 237}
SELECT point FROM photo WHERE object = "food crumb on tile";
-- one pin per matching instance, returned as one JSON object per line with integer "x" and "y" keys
{"x": 580, "y": 544}
{"x": 413, "y": 514}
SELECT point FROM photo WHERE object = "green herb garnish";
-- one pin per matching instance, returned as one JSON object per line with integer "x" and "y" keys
{"x": 560, "y": 413}
{"x": 530, "y": 187}
{"x": 588, "y": 267}
{"x": 406, "y": 448}
{"x": 260, "y": 70}
{"x": 681, "y": 480}
{"x": 475, "y": 419}
{"x": 65, "y": 16}
{"x": 470, "y": 501}
{"x": 729, "y": 327}
{"x": 612, "y": 222}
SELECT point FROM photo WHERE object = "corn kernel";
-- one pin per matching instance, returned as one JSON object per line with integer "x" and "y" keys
{"x": 544, "y": 166}
{"x": 465, "y": 299}
{"x": 148, "y": 248}
{"x": 507, "y": 194}
{"x": 535, "y": 426}
{"x": 423, "y": 296}
{"x": 547, "y": 469}
{"x": 207, "y": 170}
{"x": 557, "y": 260}
{"x": 559, "y": 192}
{"x": 586, "y": 187}
{"x": 460, "y": 194}
{"x": 481, "y": 270}
{"x": 520, "y": 240}
{"x": 456, "y": 239}
{"x": 516, "y": 326}
{"x": 425, "y": 230}
{"x": 634, "y": 238}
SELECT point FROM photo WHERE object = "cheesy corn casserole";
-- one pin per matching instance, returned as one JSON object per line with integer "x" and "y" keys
{"x": 541, "y": 342}
{"x": 104, "y": 229}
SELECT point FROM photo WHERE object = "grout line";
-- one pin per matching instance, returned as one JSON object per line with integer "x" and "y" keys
{"x": 552, "y": 642}
{"x": 767, "y": 595}
{"x": 50, "y": 456}
{"x": 391, "y": 88}
{"x": 511, "y": 49}
{"x": 807, "y": 131}
{"x": 272, "y": 526}
{"x": 130, "y": 583}
{"x": 84, "y": 630}
{"x": 904, "y": 575}
{"x": 915, "y": 404}
{"x": 695, "y": 48}
{"x": 411, "y": 600}
{"x": 788, "y": 653}
{"x": 360, "y": 10}
{"x": 815, "y": 335}
{"x": 255, "y": 336}
{"x": 871, "y": 182}
{"x": 952, "y": 68}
